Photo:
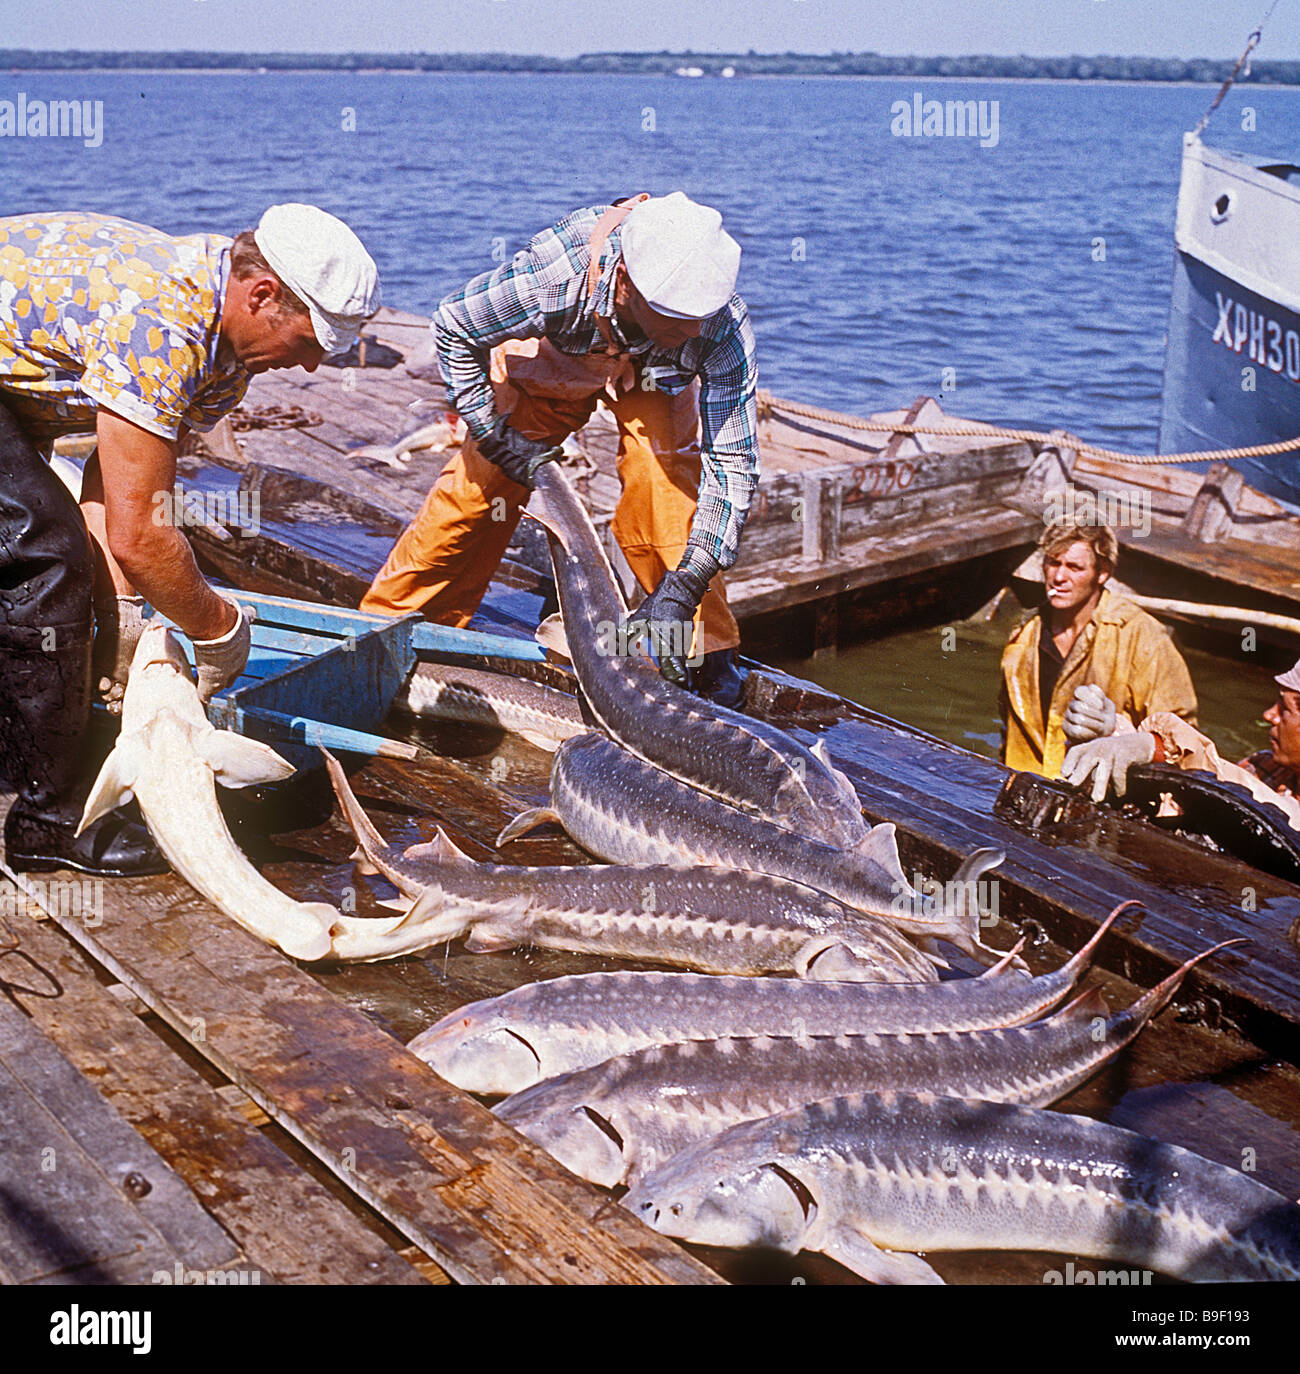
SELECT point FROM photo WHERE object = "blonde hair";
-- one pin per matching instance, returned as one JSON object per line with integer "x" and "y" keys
{"x": 1099, "y": 538}
{"x": 246, "y": 261}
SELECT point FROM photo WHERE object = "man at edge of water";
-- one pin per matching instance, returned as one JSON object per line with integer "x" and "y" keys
{"x": 1084, "y": 657}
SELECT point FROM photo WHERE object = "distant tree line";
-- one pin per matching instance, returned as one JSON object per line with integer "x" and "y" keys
{"x": 643, "y": 63}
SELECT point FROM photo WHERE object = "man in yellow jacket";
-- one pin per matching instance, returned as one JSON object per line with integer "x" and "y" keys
{"x": 1084, "y": 656}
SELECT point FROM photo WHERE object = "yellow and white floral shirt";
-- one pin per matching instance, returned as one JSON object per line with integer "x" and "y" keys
{"x": 97, "y": 311}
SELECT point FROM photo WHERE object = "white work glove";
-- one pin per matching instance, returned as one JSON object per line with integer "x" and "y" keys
{"x": 118, "y": 627}
{"x": 1090, "y": 714}
{"x": 1107, "y": 759}
{"x": 218, "y": 662}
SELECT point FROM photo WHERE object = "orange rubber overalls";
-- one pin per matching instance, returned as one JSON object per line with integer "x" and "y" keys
{"x": 443, "y": 562}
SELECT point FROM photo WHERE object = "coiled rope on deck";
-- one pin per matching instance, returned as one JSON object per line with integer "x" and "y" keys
{"x": 770, "y": 405}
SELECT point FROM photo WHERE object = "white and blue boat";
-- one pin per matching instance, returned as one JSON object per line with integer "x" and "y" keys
{"x": 1232, "y": 361}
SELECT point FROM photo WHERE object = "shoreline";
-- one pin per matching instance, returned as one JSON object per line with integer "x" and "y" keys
{"x": 342, "y": 72}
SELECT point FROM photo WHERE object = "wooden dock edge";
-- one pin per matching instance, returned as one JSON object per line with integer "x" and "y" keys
{"x": 482, "y": 1201}
{"x": 289, "y": 1227}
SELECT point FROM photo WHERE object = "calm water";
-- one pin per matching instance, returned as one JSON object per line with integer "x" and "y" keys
{"x": 953, "y": 693}
{"x": 918, "y": 254}
{"x": 871, "y": 262}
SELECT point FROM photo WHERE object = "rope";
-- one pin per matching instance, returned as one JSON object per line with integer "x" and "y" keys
{"x": 769, "y": 404}
{"x": 1251, "y": 43}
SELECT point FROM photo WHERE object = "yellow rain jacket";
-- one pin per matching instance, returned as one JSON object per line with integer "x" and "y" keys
{"x": 1122, "y": 650}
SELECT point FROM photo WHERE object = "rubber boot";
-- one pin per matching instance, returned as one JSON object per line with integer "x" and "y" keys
{"x": 43, "y": 751}
{"x": 46, "y": 571}
{"x": 720, "y": 678}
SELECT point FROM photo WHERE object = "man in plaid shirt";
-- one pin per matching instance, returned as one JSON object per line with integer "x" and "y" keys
{"x": 633, "y": 304}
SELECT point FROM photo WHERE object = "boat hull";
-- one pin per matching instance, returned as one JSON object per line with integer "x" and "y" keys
{"x": 1232, "y": 364}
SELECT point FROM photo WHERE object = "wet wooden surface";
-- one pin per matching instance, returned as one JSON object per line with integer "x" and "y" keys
{"x": 288, "y": 1224}
{"x": 483, "y": 1202}
{"x": 83, "y": 1197}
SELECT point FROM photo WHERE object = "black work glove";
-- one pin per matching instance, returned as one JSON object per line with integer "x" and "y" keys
{"x": 667, "y": 617}
{"x": 517, "y": 457}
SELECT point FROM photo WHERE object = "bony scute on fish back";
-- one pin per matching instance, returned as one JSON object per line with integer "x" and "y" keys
{"x": 744, "y": 761}
{"x": 867, "y": 1178}
{"x": 507, "y": 1043}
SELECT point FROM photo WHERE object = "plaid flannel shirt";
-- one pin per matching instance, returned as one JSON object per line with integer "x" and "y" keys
{"x": 542, "y": 293}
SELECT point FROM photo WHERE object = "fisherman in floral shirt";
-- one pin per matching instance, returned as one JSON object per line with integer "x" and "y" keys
{"x": 139, "y": 336}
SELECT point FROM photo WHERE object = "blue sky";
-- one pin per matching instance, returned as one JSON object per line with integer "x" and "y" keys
{"x": 1162, "y": 28}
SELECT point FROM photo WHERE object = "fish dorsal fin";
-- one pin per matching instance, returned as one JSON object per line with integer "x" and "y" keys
{"x": 526, "y": 821}
{"x": 113, "y": 787}
{"x": 550, "y": 635}
{"x": 880, "y": 846}
{"x": 239, "y": 762}
{"x": 441, "y": 849}
{"x": 1087, "y": 1006}
{"x": 823, "y": 756}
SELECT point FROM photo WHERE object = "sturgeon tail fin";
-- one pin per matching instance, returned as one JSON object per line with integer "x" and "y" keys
{"x": 371, "y": 841}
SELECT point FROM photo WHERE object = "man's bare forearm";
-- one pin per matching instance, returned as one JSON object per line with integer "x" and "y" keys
{"x": 160, "y": 566}
{"x": 137, "y": 469}
{"x": 110, "y": 580}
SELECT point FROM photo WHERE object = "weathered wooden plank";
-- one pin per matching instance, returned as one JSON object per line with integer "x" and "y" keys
{"x": 78, "y": 1186}
{"x": 774, "y": 586}
{"x": 287, "y": 1224}
{"x": 485, "y": 1203}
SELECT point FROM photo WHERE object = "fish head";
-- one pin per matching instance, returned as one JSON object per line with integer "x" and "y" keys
{"x": 159, "y": 644}
{"x": 478, "y": 1055}
{"x": 160, "y": 678}
{"x": 729, "y": 1191}
{"x": 735, "y": 1210}
{"x": 583, "y": 1140}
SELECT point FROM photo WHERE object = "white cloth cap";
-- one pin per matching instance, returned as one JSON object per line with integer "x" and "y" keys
{"x": 679, "y": 256}
{"x": 1290, "y": 679}
{"x": 321, "y": 260}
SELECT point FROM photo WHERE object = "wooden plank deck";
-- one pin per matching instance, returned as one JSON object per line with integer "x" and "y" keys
{"x": 83, "y": 1197}
{"x": 485, "y": 1204}
{"x": 289, "y": 1225}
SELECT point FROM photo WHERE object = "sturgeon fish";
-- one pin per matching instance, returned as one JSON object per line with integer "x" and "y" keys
{"x": 698, "y": 918}
{"x": 732, "y": 756}
{"x": 867, "y": 1178}
{"x": 168, "y": 756}
{"x": 620, "y": 1120}
{"x": 507, "y": 1043}
{"x": 542, "y": 715}
{"x": 623, "y": 810}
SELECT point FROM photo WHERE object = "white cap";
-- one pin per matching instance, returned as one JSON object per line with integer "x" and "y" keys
{"x": 321, "y": 260}
{"x": 679, "y": 257}
{"x": 1290, "y": 679}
